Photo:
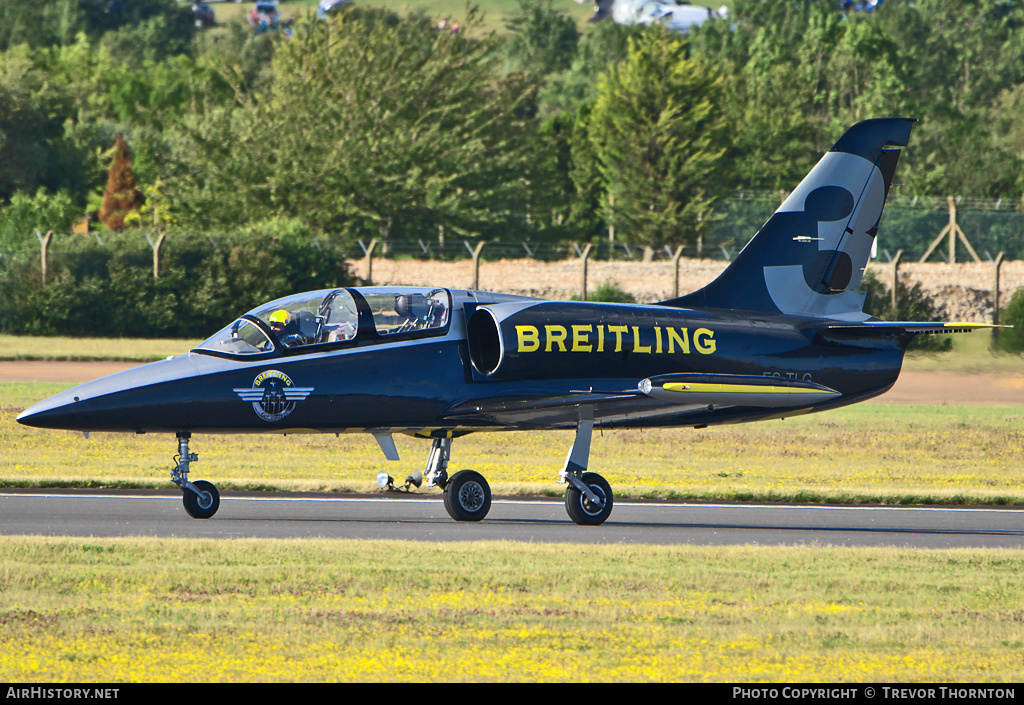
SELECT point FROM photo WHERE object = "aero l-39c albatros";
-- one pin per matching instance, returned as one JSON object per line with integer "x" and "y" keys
{"x": 780, "y": 333}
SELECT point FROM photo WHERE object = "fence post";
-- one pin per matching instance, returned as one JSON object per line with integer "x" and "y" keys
{"x": 44, "y": 242}
{"x": 156, "y": 252}
{"x": 895, "y": 280}
{"x": 584, "y": 256}
{"x": 611, "y": 226}
{"x": 476, "y": 264}
{"x": 995, "y": 297}
{"x": 369, "y": 260}
{"x": 952, "y": 231}
{"x": 675, "y": 271}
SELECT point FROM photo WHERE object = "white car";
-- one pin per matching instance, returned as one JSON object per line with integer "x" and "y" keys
{"x": 677, "y": 16}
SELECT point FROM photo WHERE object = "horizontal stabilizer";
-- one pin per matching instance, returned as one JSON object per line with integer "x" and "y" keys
{"x": 910, "y": 327}
{"x": 735, "y": 390}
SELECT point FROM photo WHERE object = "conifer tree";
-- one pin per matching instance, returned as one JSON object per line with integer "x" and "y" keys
{"x": 120, "y": 197}
{"x": 659, "y": 138}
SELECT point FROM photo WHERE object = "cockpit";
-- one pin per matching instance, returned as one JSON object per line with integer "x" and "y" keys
{"x": 334, "y": 318}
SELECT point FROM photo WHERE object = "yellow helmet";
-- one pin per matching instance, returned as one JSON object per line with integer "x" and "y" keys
{"x": 279, "y": 317}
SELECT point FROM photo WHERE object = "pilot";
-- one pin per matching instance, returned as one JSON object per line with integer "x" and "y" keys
{"x": 283, "y": 326}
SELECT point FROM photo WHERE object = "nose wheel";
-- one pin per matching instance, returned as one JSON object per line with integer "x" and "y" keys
{"x": 203, "y": 503}
{"x": 200, "y": 499}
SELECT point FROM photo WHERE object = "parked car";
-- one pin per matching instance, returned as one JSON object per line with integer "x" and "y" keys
{"x": 264, "y": 16}
{"x": 679, "y": 16}
{"x": 203, "y": 14}
{"x": 326, "y": 7}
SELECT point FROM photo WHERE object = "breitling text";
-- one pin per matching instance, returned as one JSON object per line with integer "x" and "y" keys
{"x": 589, "y": 338}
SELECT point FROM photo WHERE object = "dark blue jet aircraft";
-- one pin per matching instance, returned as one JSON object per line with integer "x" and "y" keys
{"x": 780, "y": 333}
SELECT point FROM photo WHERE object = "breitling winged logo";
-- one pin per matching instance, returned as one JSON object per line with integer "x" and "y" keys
{"x": 273, "y": 395}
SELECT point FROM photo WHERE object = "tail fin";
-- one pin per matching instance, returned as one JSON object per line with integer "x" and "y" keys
{"x": 809, "y": 258}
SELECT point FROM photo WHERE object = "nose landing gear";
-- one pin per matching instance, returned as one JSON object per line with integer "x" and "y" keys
{"x": 201, "y": 498}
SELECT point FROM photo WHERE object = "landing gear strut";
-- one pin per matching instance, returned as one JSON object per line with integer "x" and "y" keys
{"x": 201, "y": 499}
{"x": 467, "y": 496}
{"x": 588, "y": 498}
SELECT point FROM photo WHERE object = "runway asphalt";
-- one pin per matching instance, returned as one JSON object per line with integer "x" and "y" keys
{"x": 285, "y": 515}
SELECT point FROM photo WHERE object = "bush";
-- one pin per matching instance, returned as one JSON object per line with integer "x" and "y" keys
{"x": 912, "y": 304}
{"x": 609, "y": 291}
{"x": 1012, "y": 339}
{"x": 109, "y": 290}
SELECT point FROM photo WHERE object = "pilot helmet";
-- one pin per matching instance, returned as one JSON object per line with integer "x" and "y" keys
{"x": 279, "y": 318}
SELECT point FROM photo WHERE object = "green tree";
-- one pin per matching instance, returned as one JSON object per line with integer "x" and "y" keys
{"x": 27, "y": 213}
{"x": 32, "y": 112}
{"x": 375, "y": 126}
{"x": 166, "y": 25}
{"x": 659, "y": 137}
{"x": 586, "y": 207}
{"x": 601, "y": 47}
{"x": 38, "y": 23}
{"x": 541, "y": 38}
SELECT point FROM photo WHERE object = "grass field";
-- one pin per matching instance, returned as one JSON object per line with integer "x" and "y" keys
{"x": 144, "y": 610}
{"x": 494, "y": 11}
{"x": 27, "y": 347}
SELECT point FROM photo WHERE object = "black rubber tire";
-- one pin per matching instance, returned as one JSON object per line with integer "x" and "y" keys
{"x": 204, "y": 507}
{"x": 581, "y": 510}
{"x": 467, "y": 496}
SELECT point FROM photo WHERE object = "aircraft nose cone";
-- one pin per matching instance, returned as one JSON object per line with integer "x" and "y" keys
{"x": 54, "y": 412}
{"x": 126, "y": 401}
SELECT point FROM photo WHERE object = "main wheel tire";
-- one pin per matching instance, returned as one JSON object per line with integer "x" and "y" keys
{"x": 584, "y": 512}
{"x": 204, "y": 505}
{"x": 467, "y": 496}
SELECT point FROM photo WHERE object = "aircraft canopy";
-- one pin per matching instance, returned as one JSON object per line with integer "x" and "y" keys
{"x": 329, "y": 316}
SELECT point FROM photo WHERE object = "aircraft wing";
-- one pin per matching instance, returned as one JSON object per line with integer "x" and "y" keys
{"x": 910, "y": 327}
{"x": 662, "y": 395}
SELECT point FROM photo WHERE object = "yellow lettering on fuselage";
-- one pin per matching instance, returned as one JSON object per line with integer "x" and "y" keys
{"x": 618, "y": 331}
{"x": 704, "y": 341}
{"x": 637, "y": 347}
{"x": 580, "y": 338}
{"x": 590, "y": 338}
{"x": 554, "y": 335}
{"x": 674, "y": 337}
{"x": 529, "y": 338}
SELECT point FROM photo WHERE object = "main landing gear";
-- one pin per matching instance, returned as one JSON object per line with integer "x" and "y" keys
{"x": 588, "y": 498}
{"x": 467, "y": 496}
{"x": 201, "y": 498}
